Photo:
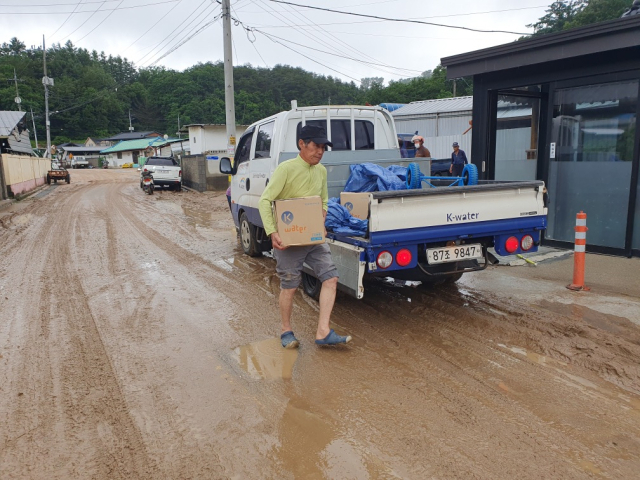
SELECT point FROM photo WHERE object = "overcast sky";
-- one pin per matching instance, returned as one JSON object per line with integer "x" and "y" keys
{"x": 165, "y": 32}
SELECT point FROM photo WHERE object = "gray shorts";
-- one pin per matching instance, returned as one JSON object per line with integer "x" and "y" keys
{"x": 290, "y": 260}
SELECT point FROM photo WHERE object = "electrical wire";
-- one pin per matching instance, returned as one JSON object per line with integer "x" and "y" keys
{"x": 101, "y": 22}
{"x": 82, "y": 24}
{"x": 195, "y": 11}
{"x": 91, "y": 11}
{"x": 307, "y": 34}
{"x": 397, "y": 19}
{"x": 66, "y": 20}
{"x": 162, "y": 17}
{"x": 199, "y": 28}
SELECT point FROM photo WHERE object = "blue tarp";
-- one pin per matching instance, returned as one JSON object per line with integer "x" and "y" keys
{"x": 369, "y": 177}
{"x": 339, "y": 220}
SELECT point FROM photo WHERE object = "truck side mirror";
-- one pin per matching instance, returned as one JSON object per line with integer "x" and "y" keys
{"x": 225, "y": 166}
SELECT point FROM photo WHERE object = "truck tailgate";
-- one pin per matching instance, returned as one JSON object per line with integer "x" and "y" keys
{"x": 164, "y": 173}
{"x": 448, "y": 206}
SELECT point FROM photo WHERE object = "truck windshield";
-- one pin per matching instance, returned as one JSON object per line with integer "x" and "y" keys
{"x": 341, "y": 133}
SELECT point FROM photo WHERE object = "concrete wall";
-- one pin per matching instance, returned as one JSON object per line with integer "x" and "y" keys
{"x": 22, "y": 173}
{"x": 202, "y": 175}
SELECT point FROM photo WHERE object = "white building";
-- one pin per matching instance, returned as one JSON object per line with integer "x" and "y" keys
{"x": 210, "y": 139}
{"x": 441, "y": 122}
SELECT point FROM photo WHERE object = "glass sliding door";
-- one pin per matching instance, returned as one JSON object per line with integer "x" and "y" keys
{"x": 516, "y": 156}
{"x": 590, "y": 161}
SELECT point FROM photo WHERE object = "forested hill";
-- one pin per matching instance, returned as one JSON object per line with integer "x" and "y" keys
{"x": 93, "y": 93}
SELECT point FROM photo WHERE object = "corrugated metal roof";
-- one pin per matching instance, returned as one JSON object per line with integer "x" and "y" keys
{"x": 8, "y": 121}
{"x": 140, "y": 144}
{"x": 81, "y": 149}
{"x": 440, "y": 105}
{"x": 133, "y": 136}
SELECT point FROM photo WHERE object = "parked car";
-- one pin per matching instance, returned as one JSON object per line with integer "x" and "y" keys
{"x": 79, "y": 161}
{"x": 165, "y": 171}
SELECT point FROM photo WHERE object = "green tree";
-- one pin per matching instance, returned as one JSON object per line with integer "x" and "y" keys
{"x": 562, "y": 15}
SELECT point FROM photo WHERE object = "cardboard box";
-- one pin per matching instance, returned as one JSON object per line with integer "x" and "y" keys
{"x": 300, "y": 221}
{"x": 356, "y": 203}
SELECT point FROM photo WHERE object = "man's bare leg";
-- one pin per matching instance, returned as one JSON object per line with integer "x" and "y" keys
{"x": 327, "y": 299}
{"x": 286, "y": 307}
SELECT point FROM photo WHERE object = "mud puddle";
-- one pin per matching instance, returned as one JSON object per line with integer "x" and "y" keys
{"x": 267, "y": 359}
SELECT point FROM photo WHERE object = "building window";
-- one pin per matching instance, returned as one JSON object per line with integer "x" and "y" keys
{"x": 119, "y": 155}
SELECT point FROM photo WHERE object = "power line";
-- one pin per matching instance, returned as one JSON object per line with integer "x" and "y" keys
{"x": 90, "y": 11}
{"x": 172, "y": 32}
{"x": 313, "y": 60}
{"x": 162, "y": 17}
{"x": 338, "y": 51}
{"x": 397, "y": 19}
{"x": 187, "y": 37}
{"x": 293, "y": 26}
{"x": 103, "y": 20}
{"x": 81, "y": 24}
{"x": 66, "y": 19}
{"x": 330, "y": 53}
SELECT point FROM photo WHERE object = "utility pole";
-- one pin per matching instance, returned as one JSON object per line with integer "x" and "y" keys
{"x": 18, "y": 100}
{"x": 228, "y": 79}
{"x": 46, "y": 81}
{"x": 178, "y": 132}
{"x": 130, "y": 126}
{"x": 35, "y": 132}
{"x": 454, "y": 87}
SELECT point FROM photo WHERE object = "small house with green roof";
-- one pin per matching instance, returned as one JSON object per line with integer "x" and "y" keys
{"x": 129, "y": 151}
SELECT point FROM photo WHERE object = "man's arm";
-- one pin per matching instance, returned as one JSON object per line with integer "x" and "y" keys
{"x": 325, "y": 192}
{"x": 276, "y": 184}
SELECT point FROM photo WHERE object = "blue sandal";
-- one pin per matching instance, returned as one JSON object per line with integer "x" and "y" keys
{"x": 334, "y": 339}
{"x": 289, "y": 340}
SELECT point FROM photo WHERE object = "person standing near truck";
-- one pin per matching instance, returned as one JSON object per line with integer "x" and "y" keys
{"x": 458, "y": 160}
{"x": 421, "y": 150}
{"x": 302, "y": 176}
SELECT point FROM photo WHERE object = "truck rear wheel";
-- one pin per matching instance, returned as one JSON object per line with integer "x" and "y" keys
{"x": 248, "y": 237}
{"x": 311, "y": 285}
{"x": 67, "y": 178}
{"x": 49, "y": 179}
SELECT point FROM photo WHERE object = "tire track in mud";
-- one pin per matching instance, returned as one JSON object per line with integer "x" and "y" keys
{"x": 476, "y": 393}
{"x": 472, "y": 400}
{"x": 84, "y": 414}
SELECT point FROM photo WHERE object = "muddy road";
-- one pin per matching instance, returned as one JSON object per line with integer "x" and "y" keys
{"x": 136, "y": 341}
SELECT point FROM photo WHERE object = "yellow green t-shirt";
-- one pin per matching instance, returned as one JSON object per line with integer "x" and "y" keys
{"x": 293, "y": 178}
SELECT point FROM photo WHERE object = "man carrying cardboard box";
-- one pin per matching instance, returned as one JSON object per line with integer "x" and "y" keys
{"x": 302, "y": 176}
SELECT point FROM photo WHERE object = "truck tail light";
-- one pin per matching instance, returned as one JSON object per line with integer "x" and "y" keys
{"x": 384, "y": 260}
{"x": 180, "y": 173}
{"x": 526, "y": 243}
{"x": 404, "y": 257}
{"x": 511, "y": 245}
